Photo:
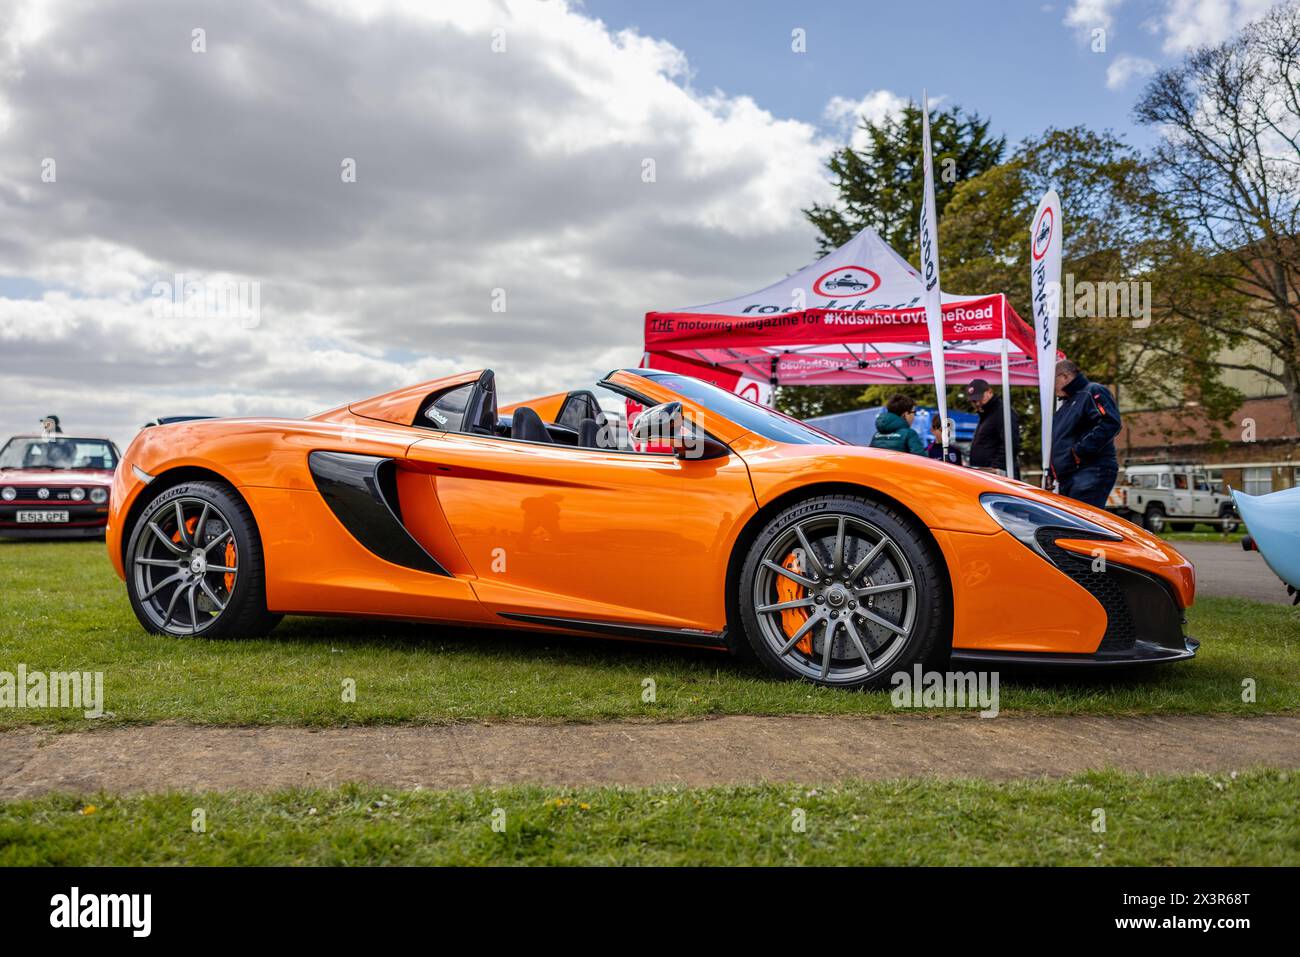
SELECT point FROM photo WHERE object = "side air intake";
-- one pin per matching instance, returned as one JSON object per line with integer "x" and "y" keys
{"x": 361, "y": 491}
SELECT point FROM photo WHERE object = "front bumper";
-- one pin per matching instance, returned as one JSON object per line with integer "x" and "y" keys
{"x": 52, "y": 531}
{"x": 1145, "y": 621}
{"x": 85, "y": 520}
{"x": 1141, "y": 653}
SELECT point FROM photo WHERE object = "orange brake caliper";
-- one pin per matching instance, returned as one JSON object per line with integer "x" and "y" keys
{"x": 792, "y": 619}
{"x": 190, "y": 523}
{"x": 230, "y": 563}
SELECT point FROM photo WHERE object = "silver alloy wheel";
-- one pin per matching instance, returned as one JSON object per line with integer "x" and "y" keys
{"x": 856, "y": 588}
{"x": 182, "y": 584}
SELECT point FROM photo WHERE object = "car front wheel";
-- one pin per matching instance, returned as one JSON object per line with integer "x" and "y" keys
{"x": 844, "y": 591}
{"x": 194, "y": 565}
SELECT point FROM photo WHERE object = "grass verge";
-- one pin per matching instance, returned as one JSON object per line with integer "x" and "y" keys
{"x": 1192, "y": 820}
{"x": 62, "y": 609}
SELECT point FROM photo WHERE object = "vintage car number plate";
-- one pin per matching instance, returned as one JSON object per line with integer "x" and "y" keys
{"x": 41, "y": 517}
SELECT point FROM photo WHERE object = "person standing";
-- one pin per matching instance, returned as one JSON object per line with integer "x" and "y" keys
{"x": 1084, "y": 463}
{"x": 988, "y": 449}
{"x": 935, "y": 448}
{"x": 894, "y": 427}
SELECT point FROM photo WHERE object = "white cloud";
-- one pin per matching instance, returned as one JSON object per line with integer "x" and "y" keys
{"x": 1193, "y": 23}
{"x": 1125, "y": 68}
{"x": 845, "y": 113}
{"x": 475, "y": 170}
{"x": 1087, "y": 14}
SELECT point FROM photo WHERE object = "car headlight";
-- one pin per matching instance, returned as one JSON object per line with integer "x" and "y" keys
{"x": 1027, "y": 519}
{"x": 99, "y": 495}
{"x": 77, "y": 494}
{"x": 9, "y": 494}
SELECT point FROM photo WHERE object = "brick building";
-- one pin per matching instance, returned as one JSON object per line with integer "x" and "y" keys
{"x": 1258, "y": 453}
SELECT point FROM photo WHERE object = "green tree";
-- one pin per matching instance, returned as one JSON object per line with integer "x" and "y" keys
{"x": 810, "y": 401}
{"x": 882, "y": 187}
{"x": 1118, "y": 229}
{"x": 1229, "y": 117}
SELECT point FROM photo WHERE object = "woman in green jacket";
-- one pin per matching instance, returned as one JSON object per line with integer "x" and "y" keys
{"x": 894, "y": 427}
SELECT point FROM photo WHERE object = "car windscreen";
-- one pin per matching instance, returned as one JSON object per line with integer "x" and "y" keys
{"x": 57, "y": 453}
{"x": 756, "y": 418}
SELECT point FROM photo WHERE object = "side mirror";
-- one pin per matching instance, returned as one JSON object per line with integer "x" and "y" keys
{"x": 662, "y": 428}
{"x": 659, "y": 425}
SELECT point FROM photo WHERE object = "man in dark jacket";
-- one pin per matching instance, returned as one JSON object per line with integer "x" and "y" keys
{"x": 894, "y": 427}
{"x": 1083, "y": 437}
{"x": 988, "y": 449}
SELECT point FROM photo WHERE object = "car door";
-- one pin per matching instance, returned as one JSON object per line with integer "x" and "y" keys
{"x": 1182, "y": 497}
{"x": 590, "y": 534}
{"x": 1204, "y": 503}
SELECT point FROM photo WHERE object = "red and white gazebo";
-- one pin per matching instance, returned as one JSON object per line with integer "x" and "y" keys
{"x": 854, "y": 317}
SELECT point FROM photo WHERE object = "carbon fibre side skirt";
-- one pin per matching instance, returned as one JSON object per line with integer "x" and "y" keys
{"x": 618, "y": 629}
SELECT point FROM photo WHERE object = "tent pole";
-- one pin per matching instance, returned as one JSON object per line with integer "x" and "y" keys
{"x": 1007, "y": 438}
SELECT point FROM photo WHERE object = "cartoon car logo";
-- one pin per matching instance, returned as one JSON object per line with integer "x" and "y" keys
{"x": 846, "y": 281}
{"x": 1043, "y": 233}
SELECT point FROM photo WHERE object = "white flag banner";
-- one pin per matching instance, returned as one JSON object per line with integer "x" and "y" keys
{"x": 930, "y": 274}
{"x": 1045, "y": 280}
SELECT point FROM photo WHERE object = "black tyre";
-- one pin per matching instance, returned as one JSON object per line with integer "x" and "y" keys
{"x": 194, "y": 565}
{"x": 1154, "y": 519}
{"x": 843, "y": 591}
{"x": 1230, "y": 522}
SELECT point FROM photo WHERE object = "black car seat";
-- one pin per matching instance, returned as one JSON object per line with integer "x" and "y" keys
{"x": 596, "y": 433}
{"x": 528, "y": 425}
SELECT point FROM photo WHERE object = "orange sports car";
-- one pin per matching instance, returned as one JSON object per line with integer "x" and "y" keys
{"x": 650, "y": 506}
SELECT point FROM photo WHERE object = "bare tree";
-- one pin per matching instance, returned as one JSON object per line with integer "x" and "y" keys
{"x": 1229, "y": 118}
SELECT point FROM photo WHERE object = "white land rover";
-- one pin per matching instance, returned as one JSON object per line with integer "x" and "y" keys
{"x": 1177, "y": 497}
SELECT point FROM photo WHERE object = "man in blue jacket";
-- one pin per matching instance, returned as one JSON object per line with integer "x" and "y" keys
{"x": 1083, "y": 437}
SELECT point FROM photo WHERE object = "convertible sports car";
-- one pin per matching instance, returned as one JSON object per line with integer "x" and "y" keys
{"x": 652, "y": 506}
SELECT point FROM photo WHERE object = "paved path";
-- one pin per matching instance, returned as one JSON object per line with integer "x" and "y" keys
{"x": 1223, "y": 570}
{"x": 732, "y": 750}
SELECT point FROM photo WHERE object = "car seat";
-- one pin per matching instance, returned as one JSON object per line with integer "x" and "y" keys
{"x": 527, "y": 425}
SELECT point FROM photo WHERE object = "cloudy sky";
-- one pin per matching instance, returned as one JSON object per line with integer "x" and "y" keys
{"x": 416, "y": 188}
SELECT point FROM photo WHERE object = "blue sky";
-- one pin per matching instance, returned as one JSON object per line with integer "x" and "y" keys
{"x": 1017, "y": 63}
{"x": 516, "y": 168}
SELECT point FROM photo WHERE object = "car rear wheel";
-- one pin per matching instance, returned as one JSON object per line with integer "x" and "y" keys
{"x": 1229, "y": 522}
{"x": 843, "y": 591}
{"x": 194, "y": 565}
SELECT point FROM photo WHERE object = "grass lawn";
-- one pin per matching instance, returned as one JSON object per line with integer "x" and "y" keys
{"x": 62, "y": 609}
{"x": 1192, "y": 820}
{"x": 1203, "y": 534}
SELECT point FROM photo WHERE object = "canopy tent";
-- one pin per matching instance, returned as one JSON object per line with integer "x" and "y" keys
{"x": 854, "y": 317}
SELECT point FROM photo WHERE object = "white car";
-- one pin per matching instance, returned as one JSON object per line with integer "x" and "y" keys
{"x": 1177, "y": 497}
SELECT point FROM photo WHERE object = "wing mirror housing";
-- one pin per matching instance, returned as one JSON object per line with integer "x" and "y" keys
{"x": 663, "y": 427}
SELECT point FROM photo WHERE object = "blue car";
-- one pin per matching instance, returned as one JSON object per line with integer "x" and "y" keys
{"x": 1273, "y": 522}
